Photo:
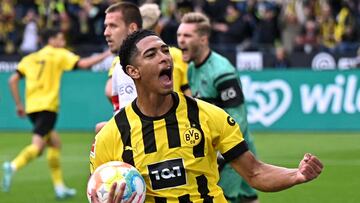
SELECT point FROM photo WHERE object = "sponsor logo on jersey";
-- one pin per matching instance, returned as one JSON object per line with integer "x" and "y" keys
{"x": 167, "y": 174}
{"x": 230, "y": 121}
{"x": 126, "y": 89}
{"x": 192, "y": 136}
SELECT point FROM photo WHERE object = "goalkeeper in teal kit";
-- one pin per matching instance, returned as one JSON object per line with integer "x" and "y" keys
{"x": 214, "y": 79}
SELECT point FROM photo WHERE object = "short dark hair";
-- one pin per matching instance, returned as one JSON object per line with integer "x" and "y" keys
{"x": 128, "y": 48}
{"x": 48, "y": 33}
{"x": 130, "y": 12}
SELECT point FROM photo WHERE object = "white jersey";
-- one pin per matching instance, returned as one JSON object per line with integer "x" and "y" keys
{"x": 123, "y": 88}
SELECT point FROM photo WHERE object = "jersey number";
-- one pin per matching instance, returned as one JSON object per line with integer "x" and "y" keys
{"x": 42, "y": 66}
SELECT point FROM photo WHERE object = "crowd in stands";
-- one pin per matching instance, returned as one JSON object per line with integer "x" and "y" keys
{"x": 279, "y": 26}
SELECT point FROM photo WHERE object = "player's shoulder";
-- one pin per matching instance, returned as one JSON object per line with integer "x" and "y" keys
{"x": 108, "y": 131}
{"x": 206, "y": 107}
{"x": 220, "y": 60}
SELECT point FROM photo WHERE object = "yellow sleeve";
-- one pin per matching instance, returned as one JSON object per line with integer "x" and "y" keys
{"x": 69, "y": 59}
{"x": 107, "y": 146}
{"x": 23, "y": 64}
{"x": 180, "y": 70}
{"x": 229, "y": 139}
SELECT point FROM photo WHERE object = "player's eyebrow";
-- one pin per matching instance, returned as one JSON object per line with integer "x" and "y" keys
{"x": 155, "y": 48}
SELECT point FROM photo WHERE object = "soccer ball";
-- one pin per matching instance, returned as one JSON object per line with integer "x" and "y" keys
{"x": 116, "y": 171}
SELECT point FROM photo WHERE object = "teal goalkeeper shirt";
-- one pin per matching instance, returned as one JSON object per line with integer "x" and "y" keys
{"x": 217, "y": 81}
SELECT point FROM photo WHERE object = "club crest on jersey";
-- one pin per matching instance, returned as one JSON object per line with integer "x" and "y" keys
{"x": 192, "y": 136}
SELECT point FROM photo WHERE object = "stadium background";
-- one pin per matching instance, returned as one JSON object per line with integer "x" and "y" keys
{"x": 307, "y": 101}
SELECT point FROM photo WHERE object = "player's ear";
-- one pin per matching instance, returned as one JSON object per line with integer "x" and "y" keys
{"x": 203, "y": 39}
{"x": 133, "y": 27}
{"x": 133, "y": 71}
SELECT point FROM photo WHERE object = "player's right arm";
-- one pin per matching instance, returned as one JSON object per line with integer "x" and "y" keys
{"x": 87, "y": 62}
{"x": 14, "y": 89}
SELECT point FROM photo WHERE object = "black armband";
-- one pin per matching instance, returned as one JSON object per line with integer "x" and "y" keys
{"x": 230, "y": 93}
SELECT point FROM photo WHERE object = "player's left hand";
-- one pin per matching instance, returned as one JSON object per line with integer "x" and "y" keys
{"x": 112, "y": 198}
{"x": 310, "y": 168}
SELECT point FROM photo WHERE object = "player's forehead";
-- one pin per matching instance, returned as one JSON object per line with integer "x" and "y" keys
{"x": 187, "y": 28}
{"x": 150, "y": 42}
{"x": 115, "y": 17}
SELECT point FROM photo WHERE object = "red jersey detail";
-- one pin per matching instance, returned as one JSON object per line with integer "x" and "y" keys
{"x": 115, "y": 102}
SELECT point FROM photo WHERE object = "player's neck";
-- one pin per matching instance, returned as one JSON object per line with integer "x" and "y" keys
{"x": 203, "y": 55}
{"x": 153, "y": 105}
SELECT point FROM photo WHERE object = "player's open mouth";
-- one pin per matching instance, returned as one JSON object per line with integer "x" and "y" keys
{"x": 166, "y": 73}
{"x": 184, "y": 50}
{"x": 165, "y": 77}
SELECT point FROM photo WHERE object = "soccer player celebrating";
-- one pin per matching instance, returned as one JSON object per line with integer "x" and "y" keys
{"x": 214, "y": 79}
{"x": 42, "y": 71}
{"x": 173, "y": 139}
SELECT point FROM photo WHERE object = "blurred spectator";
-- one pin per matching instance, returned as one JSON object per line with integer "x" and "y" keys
{"x": 289, "y": 25}
{"x": 308, "y": 40}
{"x": 267, "y": 31}
{"x": 280, "y": 60}
{"x": 171, "y": 20}
{"x": 30, "y": 35}
{"x": 347, "y": 31}
{"x": 327, "y": 26}
{"x": 235, "y": 29}
{"x": 7, "y": 27}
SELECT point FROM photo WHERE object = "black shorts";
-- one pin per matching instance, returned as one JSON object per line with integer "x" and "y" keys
{"x": 43, "y": 122}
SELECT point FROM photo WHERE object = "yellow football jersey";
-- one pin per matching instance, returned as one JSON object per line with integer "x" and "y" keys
{"x": 180, "y": 70}
{"x": 175, "y": 153}
{"x": 42, "y": 71}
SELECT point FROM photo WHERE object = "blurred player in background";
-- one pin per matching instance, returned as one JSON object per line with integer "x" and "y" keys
{"x": 121, "y": 19}
{"x": 214, "y": 79}
{"x": 173, "y": 139}
{"x": 42, "y": 71}
{"x": 150, "y": 13}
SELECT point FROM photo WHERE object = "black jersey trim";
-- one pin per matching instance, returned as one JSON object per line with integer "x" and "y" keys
{"x": 203, "y": 189}
{"x": 160, "y": 199}
{"x": 202, "y": 63}
{"x": 222, "y": 76}
{"x": 193, "y": 116}
{"x": 123, "y": 125}
{"x": 21, "y": 75}
{"x": 172, "y": 109}
{"x": 184, "y": 199}
{"x": 236, "y": 151}
{"x": 184, "y": 87}
{"x": 172, "y": 131}
{"x": 148, "y": 136}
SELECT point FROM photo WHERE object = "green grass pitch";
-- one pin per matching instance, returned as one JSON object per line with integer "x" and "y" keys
{"x": 339, "y": 182}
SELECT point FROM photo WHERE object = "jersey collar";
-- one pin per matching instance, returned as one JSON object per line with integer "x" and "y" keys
{"x": 172, "y": 109}
{"x": 202, "y": 63}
